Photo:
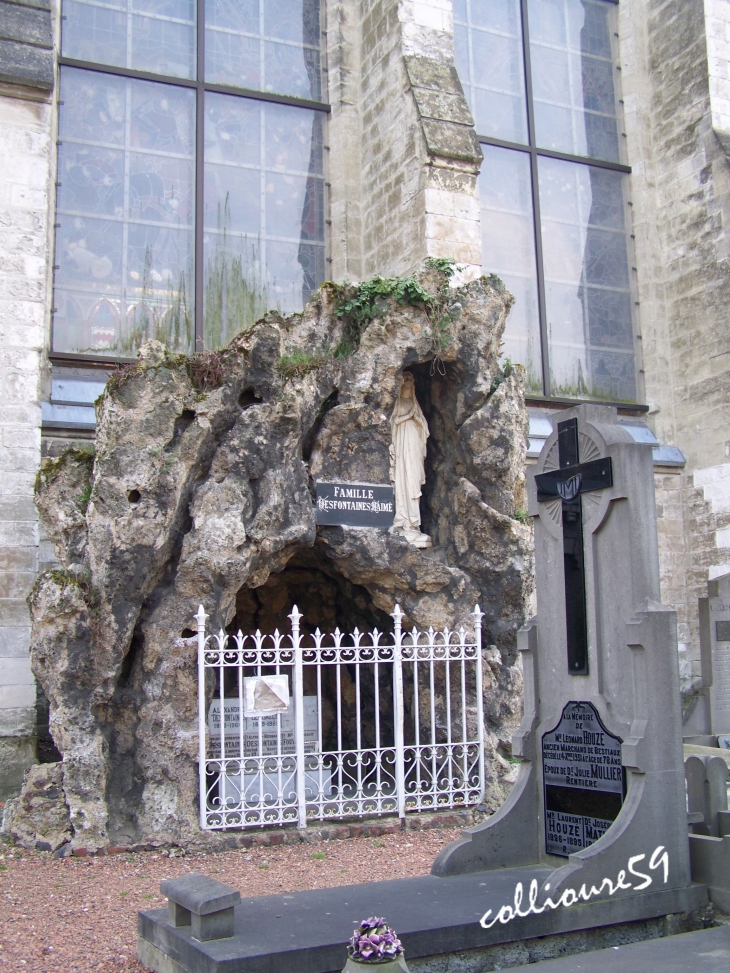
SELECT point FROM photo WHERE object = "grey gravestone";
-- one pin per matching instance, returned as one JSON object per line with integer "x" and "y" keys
{"x": 601, "y": 677}
{"x": 715, "y": 649}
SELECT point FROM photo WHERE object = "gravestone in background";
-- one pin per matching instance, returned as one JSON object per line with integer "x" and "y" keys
{"x": 715, "y": 650}
{"x": 602, "y": 776}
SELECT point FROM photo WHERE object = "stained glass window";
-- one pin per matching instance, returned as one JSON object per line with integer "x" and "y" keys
{"x": 508, "y": 249}
{"x": 269, "y": 45}
{"x": 554, "y": 194}
{"x": 143, "y": 35}
{"x": 131, "y": 160}
{"x": 488, "y": 39}
{"x": 264, "y": 210}
{"x": 125, "y": 212}
{"x": 573, "y": 68}
{"x": 587, "y": 293}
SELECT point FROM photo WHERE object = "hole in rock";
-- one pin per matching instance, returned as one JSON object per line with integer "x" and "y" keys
{"x": 45, "y": 747}
{"x": 183, "y": 421}
{"x": 445, "y": 456}
{"x": 329, "y": 403}
{"x": 348, "y": 699}
{"x": 134, "y": 496}
{"x": 187, "y": 633}
{"x": 248, "y": 398}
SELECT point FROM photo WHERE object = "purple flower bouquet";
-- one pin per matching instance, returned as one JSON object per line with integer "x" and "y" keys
{"x": 374, "y": 942}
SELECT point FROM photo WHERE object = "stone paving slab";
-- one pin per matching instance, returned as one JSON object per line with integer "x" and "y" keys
{"x": 706, "y": 951}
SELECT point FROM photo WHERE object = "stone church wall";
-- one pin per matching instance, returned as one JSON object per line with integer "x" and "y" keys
{"x": 674, "y": 68}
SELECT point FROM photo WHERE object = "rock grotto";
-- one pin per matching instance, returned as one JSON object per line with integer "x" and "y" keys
{"x": 200, "y": 490}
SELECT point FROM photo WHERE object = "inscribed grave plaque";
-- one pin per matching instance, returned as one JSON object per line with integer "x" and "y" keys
{"x": 354, "y": 504}
{"x": 583, "y": 780}
{"x": 276, "y": 738}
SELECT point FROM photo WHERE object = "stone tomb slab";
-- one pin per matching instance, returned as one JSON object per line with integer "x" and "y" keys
{"x": 307, "y": 932}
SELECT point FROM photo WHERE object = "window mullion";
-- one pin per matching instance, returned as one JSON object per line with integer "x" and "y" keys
{"x": 200, "y": 180}
{"x": 542, "y": 305}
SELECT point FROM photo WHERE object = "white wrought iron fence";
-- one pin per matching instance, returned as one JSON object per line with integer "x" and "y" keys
{"x": 299, "y": 727}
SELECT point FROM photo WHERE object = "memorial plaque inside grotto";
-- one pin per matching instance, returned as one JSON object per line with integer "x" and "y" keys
{"x": 583, "y": 780}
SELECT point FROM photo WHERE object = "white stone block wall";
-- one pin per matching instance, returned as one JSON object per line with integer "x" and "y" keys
{"x": 391, "y": 205}
{"x": 26, "y": 151}
{"x": 714, "y": 482}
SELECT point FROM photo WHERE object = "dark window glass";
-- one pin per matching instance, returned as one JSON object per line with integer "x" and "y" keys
{"x": 127, "y": 234}
{"x": 572, "y": 323}
{"x": 264, "y": 211}
{"x": 125, "y": 208}
{"x": 144, "y": 35}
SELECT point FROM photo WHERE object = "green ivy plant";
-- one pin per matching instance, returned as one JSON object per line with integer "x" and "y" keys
{"x": 361, "y": 304}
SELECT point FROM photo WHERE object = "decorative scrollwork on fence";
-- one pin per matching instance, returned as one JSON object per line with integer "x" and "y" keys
{"x": 400, "y": 730}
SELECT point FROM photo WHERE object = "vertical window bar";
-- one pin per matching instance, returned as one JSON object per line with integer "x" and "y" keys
{"x": 541, "y": 303}
{"x": 200, "y": 179}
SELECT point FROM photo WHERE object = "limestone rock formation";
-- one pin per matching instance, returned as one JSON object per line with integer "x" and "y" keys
{"x": 201, "y": 491}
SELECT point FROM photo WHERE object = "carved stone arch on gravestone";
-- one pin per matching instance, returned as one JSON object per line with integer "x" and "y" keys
{"x": 596, "y": 503}
{"x": 553, "y": 508}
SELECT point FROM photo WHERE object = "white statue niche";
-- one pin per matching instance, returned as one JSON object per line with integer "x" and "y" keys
{"x": 409, "y": 431}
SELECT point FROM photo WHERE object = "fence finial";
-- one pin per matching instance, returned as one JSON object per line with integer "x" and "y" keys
{"x": 200, "y": 618}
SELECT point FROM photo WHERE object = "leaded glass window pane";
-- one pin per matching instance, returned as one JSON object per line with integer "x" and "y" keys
{"x": 489, "y": 59}
{"x": 573, "y": 76}
{"x": 125, "y": 209}
{"x": 264, "y": 211}
{"x": 269, "y": 45}
{"x": 508, "y": 246}
{"x": 585, "y": 253}
{"x": 143, "y": 35}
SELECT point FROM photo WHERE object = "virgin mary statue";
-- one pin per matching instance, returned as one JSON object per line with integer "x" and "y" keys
{"x": 409, "y": 431}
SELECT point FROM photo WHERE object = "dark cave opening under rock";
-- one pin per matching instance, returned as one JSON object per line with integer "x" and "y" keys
{"x": 327, "y": 601}
{"x": 324, "y": 596}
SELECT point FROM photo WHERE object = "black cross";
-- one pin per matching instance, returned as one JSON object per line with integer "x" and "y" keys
{"x": 567, "y": 483}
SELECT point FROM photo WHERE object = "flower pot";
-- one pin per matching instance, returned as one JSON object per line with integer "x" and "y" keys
{"x": 392, "y": 966}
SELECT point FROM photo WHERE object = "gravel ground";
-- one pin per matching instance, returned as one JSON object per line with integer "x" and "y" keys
{"x": 79, "y": 914}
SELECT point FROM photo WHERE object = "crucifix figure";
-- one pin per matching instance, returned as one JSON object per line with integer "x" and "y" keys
{"x": 568, "y": 483}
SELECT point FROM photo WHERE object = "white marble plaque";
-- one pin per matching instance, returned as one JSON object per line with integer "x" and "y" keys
{"x": 263, "y": 736}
